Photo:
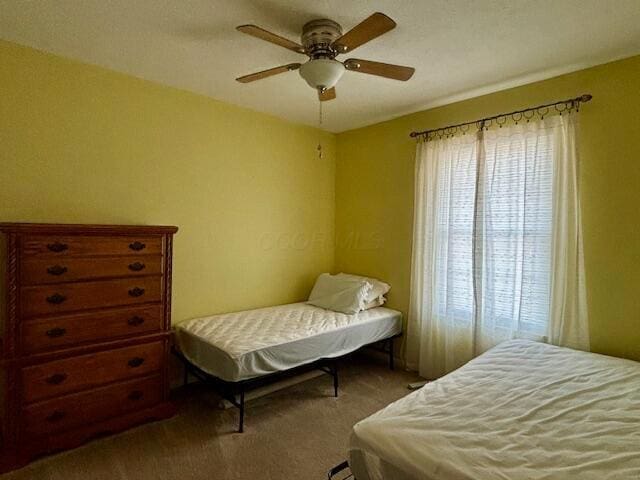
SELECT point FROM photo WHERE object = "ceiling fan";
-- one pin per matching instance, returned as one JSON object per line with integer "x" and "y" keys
{"x": 322, "y": 40}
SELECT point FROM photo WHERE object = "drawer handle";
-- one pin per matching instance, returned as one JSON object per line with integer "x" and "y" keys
{"x": 56, "y": 270}
{"x": 136, "y": 267}
{"x": 137, "y": 246}
{"x": 57, "y": 378}
{"x": 136, "y": 395}
{"x": 136, "y": 292}
{"x": 135, "y": 362}
{"x": 135, "y": 321}
{"x": 56, "y": 332}
{"x": 57, "y": 247}
{"x": 56, "y": 299}
{"x": 56, "y": 416}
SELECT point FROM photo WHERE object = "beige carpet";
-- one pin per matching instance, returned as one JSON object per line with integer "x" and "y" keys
{"x": 296, "y": 433}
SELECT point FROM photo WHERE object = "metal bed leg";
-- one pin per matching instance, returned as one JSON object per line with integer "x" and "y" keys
{"x": 391, "y": 365}
{"x": 335, "y": 378}
{"x": 186, "y": 375}
{"x": 241, "y": 426}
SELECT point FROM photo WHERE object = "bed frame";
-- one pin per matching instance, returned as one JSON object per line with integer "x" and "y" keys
{"x": 341, "y": 468}
{"x": 234, "y": 392}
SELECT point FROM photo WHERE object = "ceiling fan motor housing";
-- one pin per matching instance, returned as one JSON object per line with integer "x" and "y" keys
{"x": 317, "y": 37}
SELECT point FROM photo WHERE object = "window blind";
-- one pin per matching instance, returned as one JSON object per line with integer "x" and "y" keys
{"x": 494, "y": 232}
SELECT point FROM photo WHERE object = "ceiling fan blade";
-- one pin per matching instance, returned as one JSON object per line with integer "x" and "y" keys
{"x": 252, "y": 77}
{"x": 263, "y": 34}
{"x": 329, "y": 94}
{"x": 387, "y": 70}
{"x": 365, "y": 31}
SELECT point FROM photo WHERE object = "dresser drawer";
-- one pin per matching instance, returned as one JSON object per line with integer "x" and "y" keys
{"x": 38, "y": 270}
{"x": 63, "y": 331}
{"x": 67, "y": 297}
{"x": 60, "y": 377}
{"x": 64, "y": 246}
{"x": 78, "y": 409}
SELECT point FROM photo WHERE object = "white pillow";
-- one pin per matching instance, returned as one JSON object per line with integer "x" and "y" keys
{"x": 378, "y": 302}
{"x": 340, "y": 294}
{"x": 375, "y": 297}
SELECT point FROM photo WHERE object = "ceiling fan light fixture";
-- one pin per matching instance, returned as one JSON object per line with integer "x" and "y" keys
{"x": 322, "y": 73}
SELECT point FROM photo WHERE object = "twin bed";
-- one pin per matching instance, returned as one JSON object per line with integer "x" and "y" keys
{"x": 242, "y": 350}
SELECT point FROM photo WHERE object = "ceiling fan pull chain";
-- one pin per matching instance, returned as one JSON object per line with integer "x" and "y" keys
{"x": 320, "y": 130}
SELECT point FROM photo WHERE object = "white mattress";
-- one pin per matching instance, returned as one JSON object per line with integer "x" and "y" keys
{"x": 523, "y": 410}
{"x": 242, "y": 345}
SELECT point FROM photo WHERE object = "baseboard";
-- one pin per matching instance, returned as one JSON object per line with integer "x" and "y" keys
{"x": 177, "y": 383}
{"x": 274, "y": 387}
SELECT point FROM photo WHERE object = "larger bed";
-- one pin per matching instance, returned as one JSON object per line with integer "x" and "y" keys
{"x": 523, "y": 410}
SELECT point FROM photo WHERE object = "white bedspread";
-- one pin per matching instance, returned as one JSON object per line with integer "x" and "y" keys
{"x": 241, "y": 345}
{"x": 523, "y": 410}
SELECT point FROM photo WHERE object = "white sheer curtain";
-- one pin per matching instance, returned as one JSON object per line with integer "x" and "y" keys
{"x": 497, "y": 250}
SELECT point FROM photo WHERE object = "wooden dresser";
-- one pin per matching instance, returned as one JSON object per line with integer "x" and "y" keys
{"x": 85, "y": 324}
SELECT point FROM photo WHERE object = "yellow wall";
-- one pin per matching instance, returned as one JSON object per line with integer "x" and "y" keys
{"x": 254, "y": 204}
{"x": 257, "y": 208}
{"x": 374, "y": 193}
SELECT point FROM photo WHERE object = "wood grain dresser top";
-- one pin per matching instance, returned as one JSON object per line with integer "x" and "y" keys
{"x": 71, "y": 229}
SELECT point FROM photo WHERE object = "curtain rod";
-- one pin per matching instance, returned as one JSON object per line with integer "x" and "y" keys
{"x": 569, "y": 104}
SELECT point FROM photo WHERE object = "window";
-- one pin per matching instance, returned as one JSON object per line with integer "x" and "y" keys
{"x": 497, "y": 243}
{"x": 516, "y": 255}
{"x": 496, "y": 235}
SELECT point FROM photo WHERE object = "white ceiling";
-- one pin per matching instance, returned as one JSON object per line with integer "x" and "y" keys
{"x": 460, "y": 48}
